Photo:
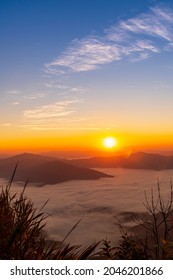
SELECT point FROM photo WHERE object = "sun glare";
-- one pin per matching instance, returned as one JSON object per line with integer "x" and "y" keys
{"x": 109, "y": 142}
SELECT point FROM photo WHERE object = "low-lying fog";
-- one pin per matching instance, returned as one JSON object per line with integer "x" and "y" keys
{"x": 96, "y": 202}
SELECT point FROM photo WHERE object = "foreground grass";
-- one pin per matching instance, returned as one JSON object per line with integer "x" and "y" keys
{"x": 21, "y": 233}
{"x": 152, "y": 237}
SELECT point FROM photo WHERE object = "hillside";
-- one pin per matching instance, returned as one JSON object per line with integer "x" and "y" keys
{"x": 45, "y": 170}
{"x": 138, "y": 160}
{"x": 2, "y": 155}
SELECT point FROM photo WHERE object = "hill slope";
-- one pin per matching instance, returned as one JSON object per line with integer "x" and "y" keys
{"x": 45, "y": 170}
{"x": 138, "y": 160}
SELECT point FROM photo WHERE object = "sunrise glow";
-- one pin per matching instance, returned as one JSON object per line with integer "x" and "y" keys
{"x": 75, "y": 90}
{"x": 110, "y": 142}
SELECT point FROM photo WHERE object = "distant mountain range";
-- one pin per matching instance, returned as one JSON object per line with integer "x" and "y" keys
{"x": 48, "y": 170}
{"x": 137, "y": 160}
{"x": 45, "y": 170}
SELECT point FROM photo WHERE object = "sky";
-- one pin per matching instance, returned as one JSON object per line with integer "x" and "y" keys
{"x": 75, "y": 72}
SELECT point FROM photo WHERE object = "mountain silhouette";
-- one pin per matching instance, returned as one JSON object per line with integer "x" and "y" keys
{"x": 139, "y": 160}
{"x": 45, "y": 170}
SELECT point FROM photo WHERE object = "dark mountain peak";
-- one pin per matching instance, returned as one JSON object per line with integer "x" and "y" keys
{"x": 44, "y": 170}
{"x": 27, "y": 156}
{"x": 25, "y": 159}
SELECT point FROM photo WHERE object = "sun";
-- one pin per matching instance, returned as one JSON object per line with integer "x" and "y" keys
{"x": 109, "y": 142}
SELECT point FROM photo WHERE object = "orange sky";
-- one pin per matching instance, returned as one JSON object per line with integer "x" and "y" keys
{"x": 66, "y": 86}
{"x": 38, "y": 141}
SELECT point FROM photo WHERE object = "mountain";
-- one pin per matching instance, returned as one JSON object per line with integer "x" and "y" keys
{"x": 3, "y": 156}
{"x": 48, "y": 170}
{"x": 45, "y": 170}
{"x": 137, "y": 160}
{"x": 69, "y": 154}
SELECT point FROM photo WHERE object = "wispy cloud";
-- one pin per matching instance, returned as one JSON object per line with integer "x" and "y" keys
{"x": 85, "y": 55}
{"x": 157, "y": 22}
{"x": 136, "y": 38}
{"x": 35, "y": 96}
{"x": 55, "y": 85}
{"x": 55, "y": 110}
{"x": 6, "y": 124}
{"x": 14, "y": 91}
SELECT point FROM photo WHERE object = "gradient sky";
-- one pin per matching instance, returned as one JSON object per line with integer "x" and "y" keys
{"x": 73, "y": 72}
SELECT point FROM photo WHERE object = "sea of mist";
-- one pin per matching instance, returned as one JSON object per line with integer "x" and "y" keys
{"x": 97, "y": 202}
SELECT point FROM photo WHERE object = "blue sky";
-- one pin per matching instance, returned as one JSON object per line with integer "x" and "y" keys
{"x": 88, "y": 66}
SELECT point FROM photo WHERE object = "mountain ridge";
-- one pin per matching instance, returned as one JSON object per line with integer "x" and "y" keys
{"x": 45, "y": 170}
{"x": 138, "y": 160}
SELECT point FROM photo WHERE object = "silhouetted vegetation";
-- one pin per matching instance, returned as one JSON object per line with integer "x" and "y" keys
{"x": 21, "y": 232}
{"x": 152, "y": 237}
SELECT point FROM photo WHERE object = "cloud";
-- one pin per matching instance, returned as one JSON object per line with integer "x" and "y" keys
{"x": 15, "y": 92}
{"x": 65, "y": 89}
{"x": 46, "y": 119}
{"x": 135, "y": 38}
{"x": 155, "y": 23}
{"x": 56, "y": 86}
{"x": 6, "y": 124}
{"x": 86, "y": 55}
{"x": 58, "y": 109}
{"x": 36, "y": 96}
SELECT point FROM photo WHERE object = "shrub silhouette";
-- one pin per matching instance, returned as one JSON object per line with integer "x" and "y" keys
{"x": 153, "y": 233}
{"x": 21, "y": 232}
